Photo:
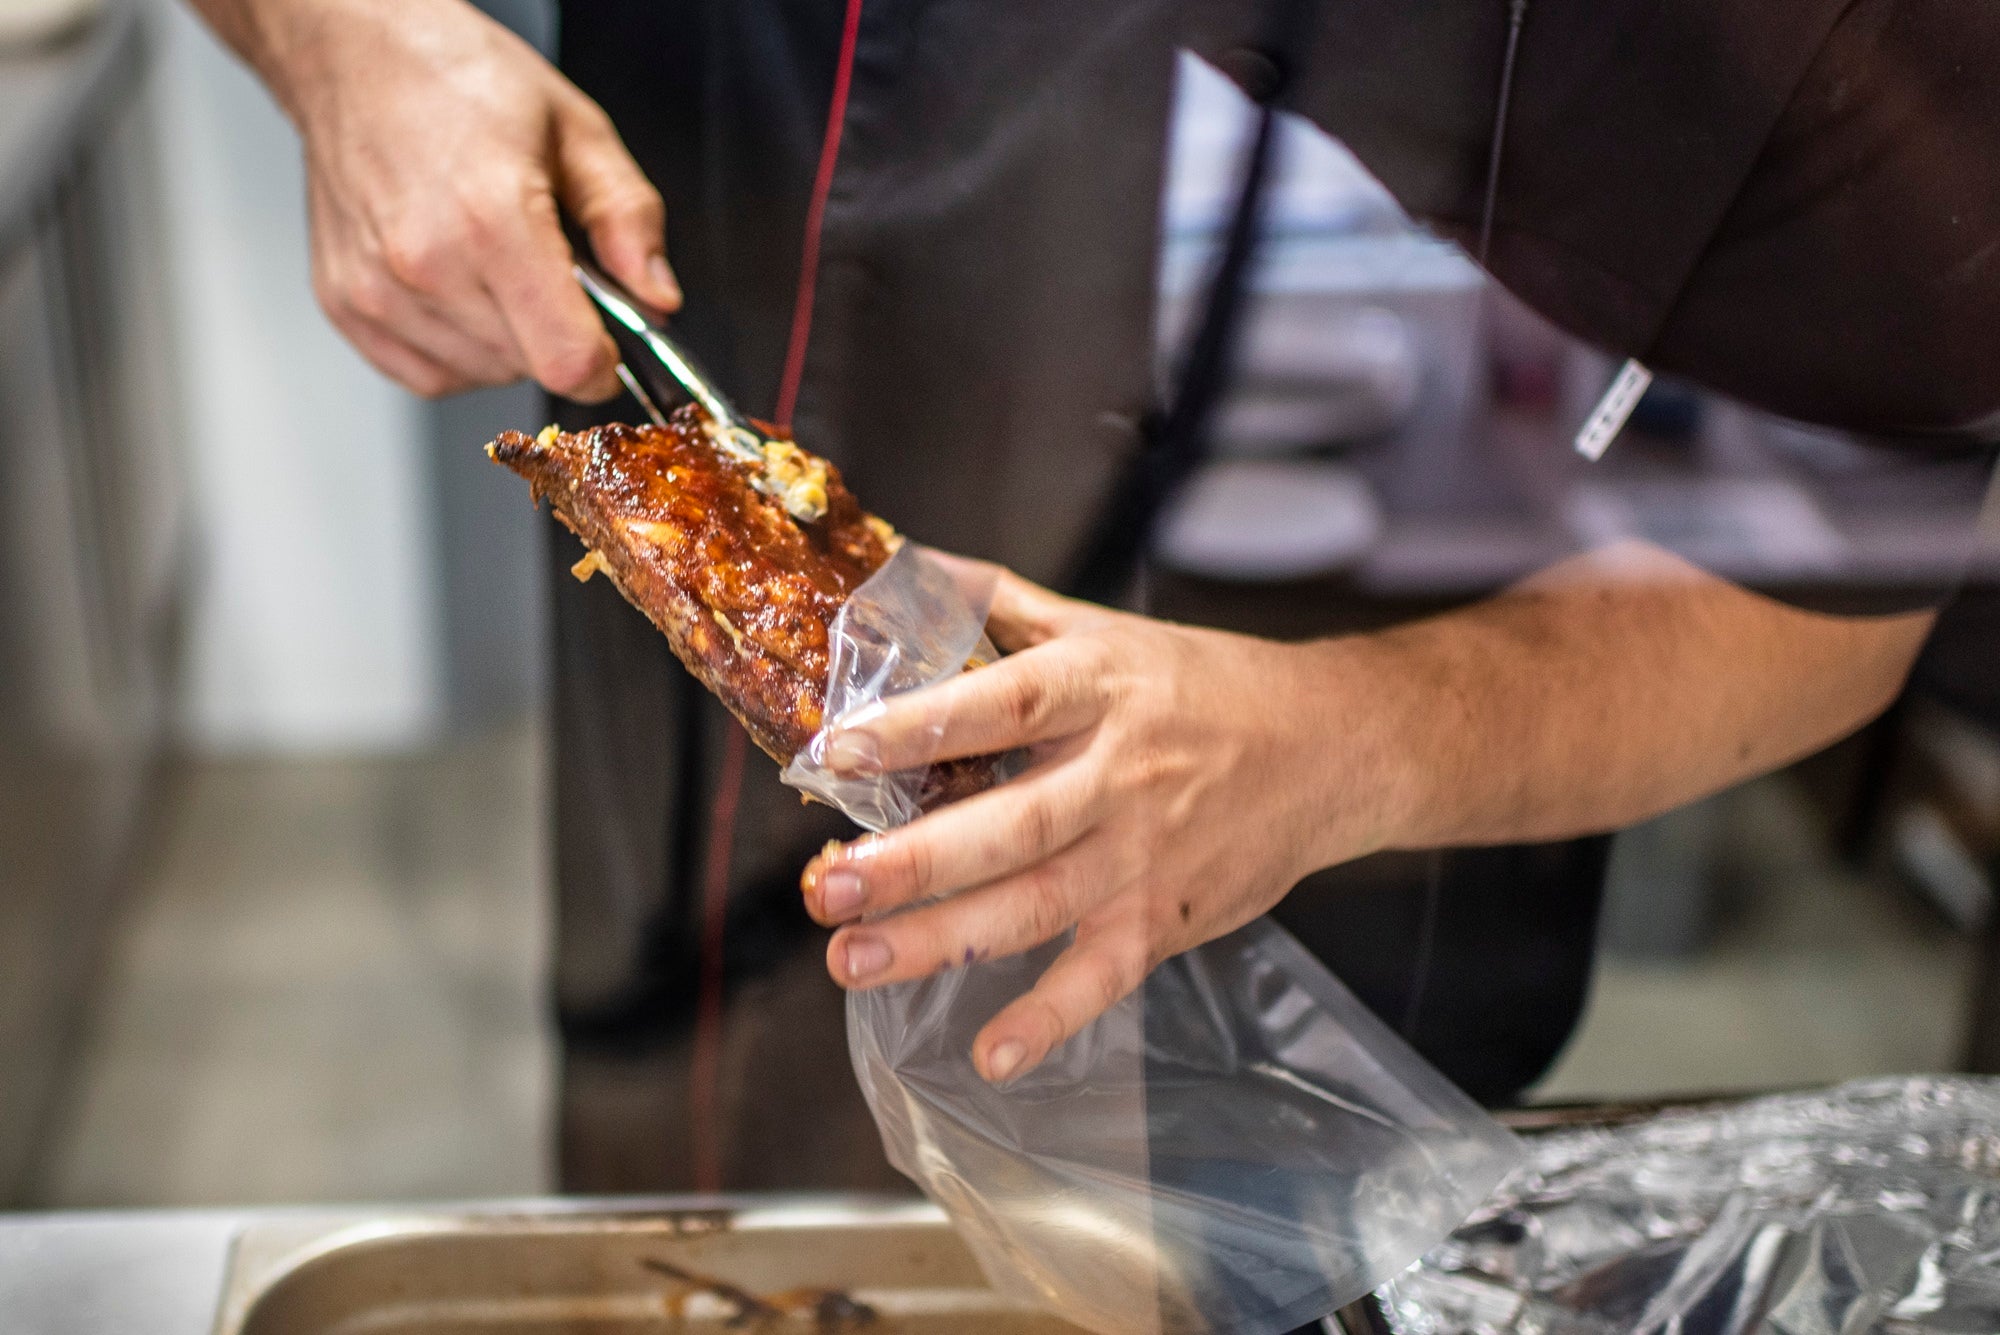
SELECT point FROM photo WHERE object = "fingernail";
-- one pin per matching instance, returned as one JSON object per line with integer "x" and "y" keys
{"x": 840, "y": 894}
{"x": 1004, "y": 1060}
{"x": 663, "y": 279}
{"x": 854, "y": 753}
{"x": 866, "y": 955}
{"x": 867, "y": 846}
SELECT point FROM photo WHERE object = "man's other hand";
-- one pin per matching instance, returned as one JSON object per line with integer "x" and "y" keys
{"x": 440, "y": 149}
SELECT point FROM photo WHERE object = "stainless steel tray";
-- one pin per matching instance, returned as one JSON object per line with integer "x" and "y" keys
{"x": 804, "y": 1264}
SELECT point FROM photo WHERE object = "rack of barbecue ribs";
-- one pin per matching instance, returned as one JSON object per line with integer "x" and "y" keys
{"x": 742, "y": 565}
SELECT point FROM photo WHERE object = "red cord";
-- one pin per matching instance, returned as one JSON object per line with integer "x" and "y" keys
{"x": 829, "y": 155}
{"x": 705, "y": 1075}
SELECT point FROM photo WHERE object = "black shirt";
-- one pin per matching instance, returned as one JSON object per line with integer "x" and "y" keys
{"x": 1794, "y": 201}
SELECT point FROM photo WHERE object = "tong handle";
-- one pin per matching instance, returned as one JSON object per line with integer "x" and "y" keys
{"x": 631, "y": 314}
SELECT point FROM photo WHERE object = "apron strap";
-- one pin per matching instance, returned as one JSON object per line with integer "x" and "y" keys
{"x": 1174, "y": 441}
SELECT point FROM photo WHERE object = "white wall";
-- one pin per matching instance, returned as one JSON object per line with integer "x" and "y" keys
{"x": 314, "y": 626}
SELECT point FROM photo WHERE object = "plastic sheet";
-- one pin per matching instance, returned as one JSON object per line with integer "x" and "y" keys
{"x": 913, "y": 623}
{"x": 1240, "y": 1146}
{"x": 1873, "y": 1207}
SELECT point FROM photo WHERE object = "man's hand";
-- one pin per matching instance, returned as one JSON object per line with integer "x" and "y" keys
{"x": 1181, "y": 783}
{"x": 1182, "y": 780}
{"x": 439, "y": 147}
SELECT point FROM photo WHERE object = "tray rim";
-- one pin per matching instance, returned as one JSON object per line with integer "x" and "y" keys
{"x": 264, "y": 1252}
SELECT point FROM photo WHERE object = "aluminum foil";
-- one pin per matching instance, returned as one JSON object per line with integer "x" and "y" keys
{"x": 1872, "y": 1207}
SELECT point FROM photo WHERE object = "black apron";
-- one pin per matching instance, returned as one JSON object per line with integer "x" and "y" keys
{"x": 981, "y": 356}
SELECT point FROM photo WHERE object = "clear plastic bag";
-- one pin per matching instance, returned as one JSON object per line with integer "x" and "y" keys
{"x": 1239, "y": 1146}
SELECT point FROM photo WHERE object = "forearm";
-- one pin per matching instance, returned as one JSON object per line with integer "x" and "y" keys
{"x": 1602, "y": 692}
{"x": 285, "y": 42}
{"x": 1181, "y": 781}
{"x": 258, "y": 31}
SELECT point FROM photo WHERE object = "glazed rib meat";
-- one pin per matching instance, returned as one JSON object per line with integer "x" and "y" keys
{"x": 743, "y": 568}
{"x": 706, "y": 547}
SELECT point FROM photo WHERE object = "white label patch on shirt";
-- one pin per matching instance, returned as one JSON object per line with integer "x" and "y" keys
{"x": 1613, "y": 410}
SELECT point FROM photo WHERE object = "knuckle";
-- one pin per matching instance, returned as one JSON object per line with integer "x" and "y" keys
{"x": 1044, "y": 904}
{"x": 582, "y": 113}
{"x": 1099, "y": 651}
{"x": 489, "y": 203}
{"x": 487, "y": 208}
{"x": 1038, "y": 831}
{"x": 1125, "y": 966}
{"x": 1048, "y": 1022}
{"x": 571, "y": 367}
{"x": 1103, "y": 664}
{"x": 1163, "y": 929}
{"x": 637, "y": 205}
{"x": 1115, "y": 982}
{"x": 429, "y": 384}
{"x": 534, "y": 199}
{"x": 330, "y": 295}
{"x": 439, "y": 383}
{"x": 368, "y": 293}
{"x": 1151, "y": 765}
{"x": 415, "y": 256}
{"x": 342, "y": 315}
{"x": 1026, "y": 704}
{"x": 650, "y": 207}
{"x": 912, "y": 868}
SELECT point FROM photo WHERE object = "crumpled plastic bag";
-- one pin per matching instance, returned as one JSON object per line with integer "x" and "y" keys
{"x": 1238, "y": 1146}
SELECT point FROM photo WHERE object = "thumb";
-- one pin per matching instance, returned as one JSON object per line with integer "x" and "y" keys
{"x": 1020, "y": 613}
{"x": 604, "y": 190}
{"x": 1025, "y": 614}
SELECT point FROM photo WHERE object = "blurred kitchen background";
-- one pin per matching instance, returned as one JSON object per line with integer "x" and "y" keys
{"x": 273, "y": 900}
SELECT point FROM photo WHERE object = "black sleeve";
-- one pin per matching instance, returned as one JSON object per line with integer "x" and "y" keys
{"x": 1796, "y": 203}
{"x": 1634, "y": 126}
{"x": 1855, "y": 280}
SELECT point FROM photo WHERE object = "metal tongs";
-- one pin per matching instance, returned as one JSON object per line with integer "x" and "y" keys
{"x": 734, "y": 433}
{"x": 775, "y": 467}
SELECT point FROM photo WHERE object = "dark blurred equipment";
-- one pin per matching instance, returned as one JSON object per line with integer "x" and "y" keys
{"x": 1952, "y": 831}
{"x": 1176, "y": 439}
{"x": 1915, "y": 796}
{"x": 91, "y": 579}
